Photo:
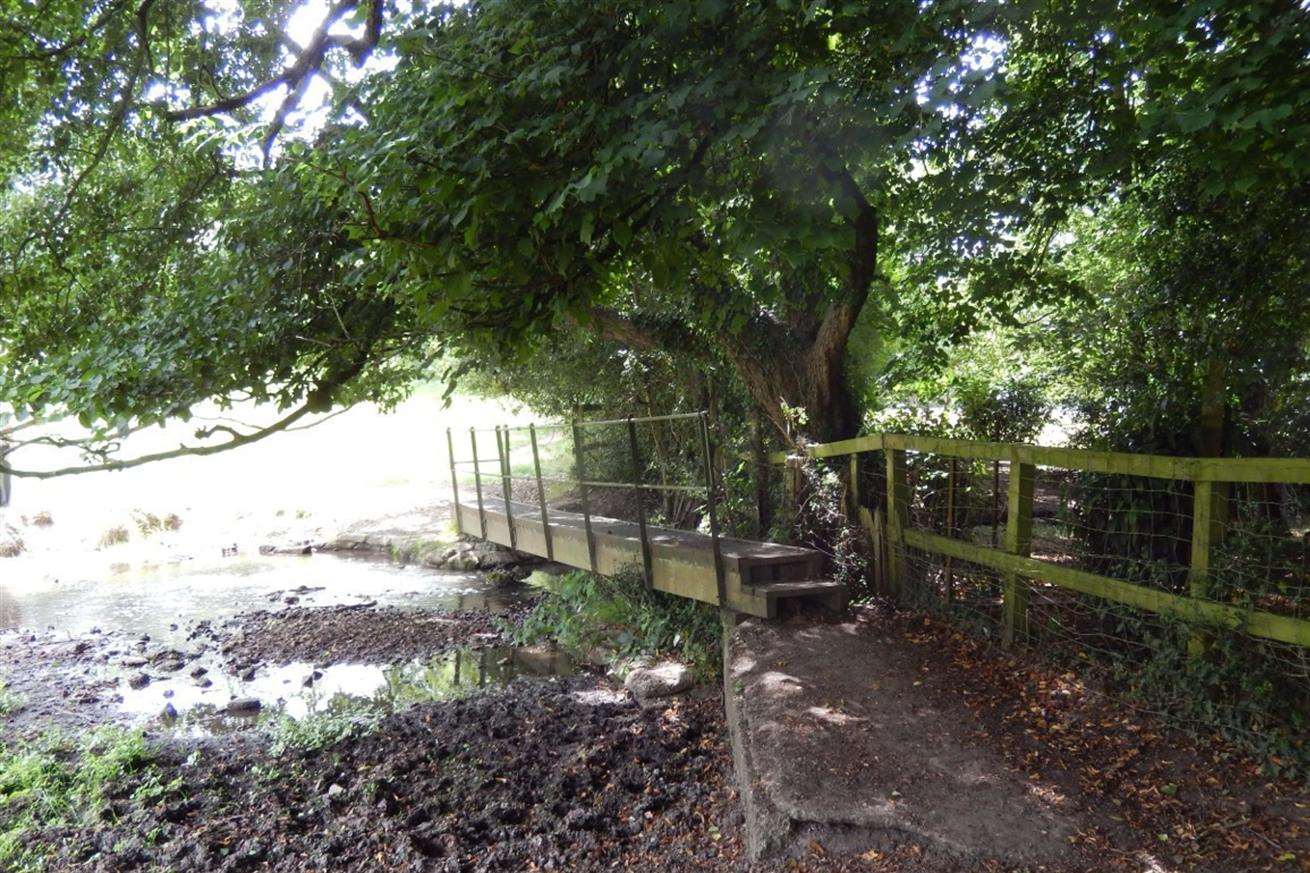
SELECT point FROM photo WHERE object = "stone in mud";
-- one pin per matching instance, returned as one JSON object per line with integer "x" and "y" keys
{"x": 138, "y": 680}
{"x": 662, "y": 680}
{"x": 243, "y": 706}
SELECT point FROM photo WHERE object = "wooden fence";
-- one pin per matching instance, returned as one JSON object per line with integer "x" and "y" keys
{"x": 1211, "y": 478}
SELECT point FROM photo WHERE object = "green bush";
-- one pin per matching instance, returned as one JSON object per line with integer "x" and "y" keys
{"x": 585, "y": 611}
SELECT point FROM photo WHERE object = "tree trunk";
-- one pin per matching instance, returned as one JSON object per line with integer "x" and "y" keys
{"x": 797, "y": 363}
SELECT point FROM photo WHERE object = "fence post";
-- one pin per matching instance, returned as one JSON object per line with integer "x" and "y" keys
{"x": 853, "y": 490}
{"x": 948, "y": 566}
{"x": 477, "y": 480}
{"x": 641, "y": 504}
{"x": 1209, "y": 508}
{"x": 454, "y": 482}
{"x": 898, "y": 511}
{"x": 711, "y": 500}
{"x": 506, "y": 487}
{"x": 582, "y": 495}
{"x": 1018, "y": 541}
{"x": 541, "y": 494}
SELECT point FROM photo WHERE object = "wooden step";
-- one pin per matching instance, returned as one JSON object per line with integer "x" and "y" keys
{"x": 792, "y": 569}
{"x": 831, "y": 594}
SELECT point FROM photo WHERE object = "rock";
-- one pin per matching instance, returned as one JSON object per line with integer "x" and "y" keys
{"x": 248, "y": 675}
{"x": 243, "y": 706}
{"x": 204, "y": 682}
{"x": 662, "y": 680}
{"x": 169, "y": 712}
{"x": 197, "y": 672}
{"x": 133, "y": 662}
{"x": 171, "y": 666}
{"x": 138, "y": 680}
{"x": 335, "y": 791}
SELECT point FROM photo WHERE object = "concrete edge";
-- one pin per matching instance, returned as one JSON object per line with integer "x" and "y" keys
{"x": 767, "y": 829}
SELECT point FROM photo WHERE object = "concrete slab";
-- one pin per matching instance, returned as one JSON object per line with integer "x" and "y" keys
{"x": 834, "y": 741}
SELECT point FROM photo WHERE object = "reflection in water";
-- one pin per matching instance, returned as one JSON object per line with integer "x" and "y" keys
{"x": 344, "y": 688}
{"x": 10, "y": 613}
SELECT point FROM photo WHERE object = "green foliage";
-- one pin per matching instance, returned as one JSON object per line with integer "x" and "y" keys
{"x": 55, "y": 780}
{"x": 10, "y": 700}
{"x": 585, "y": 611}
{"x": 1230, "y": 691}
{"x": 344, "y": 719}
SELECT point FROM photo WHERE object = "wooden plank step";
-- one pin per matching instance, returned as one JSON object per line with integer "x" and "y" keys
{"x": 833, "y": 595}
{"x": 794, "y": 588}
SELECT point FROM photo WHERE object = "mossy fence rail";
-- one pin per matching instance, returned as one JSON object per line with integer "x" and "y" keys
{"x": 1195, "y": 593}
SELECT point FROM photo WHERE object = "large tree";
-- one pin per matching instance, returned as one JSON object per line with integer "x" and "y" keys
{"x": 724, "y": 182}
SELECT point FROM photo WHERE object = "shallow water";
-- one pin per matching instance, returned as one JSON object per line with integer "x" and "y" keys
{"x": 162, "y": 601}
{"x": 154, "y": 598}
{"x": 350, "y": 688}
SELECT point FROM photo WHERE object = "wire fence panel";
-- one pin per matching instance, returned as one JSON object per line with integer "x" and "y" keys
{"x": 1186, "y": 580}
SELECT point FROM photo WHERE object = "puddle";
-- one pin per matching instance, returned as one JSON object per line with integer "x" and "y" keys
{"x": 152, "y": 598}
{"x": 281, "y": 689}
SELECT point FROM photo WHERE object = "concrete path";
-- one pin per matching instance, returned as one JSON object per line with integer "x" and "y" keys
{"x": 833, "y": 740}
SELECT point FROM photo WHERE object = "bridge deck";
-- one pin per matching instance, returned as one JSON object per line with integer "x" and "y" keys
{"x": 756, "y": 575}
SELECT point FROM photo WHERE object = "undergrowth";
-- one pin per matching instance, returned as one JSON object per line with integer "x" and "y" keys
{"x": 55, "y": 780}
{"x": 318, "y": 730}
{"x": 10, "y": 700}
{"x": 618, "y": 612}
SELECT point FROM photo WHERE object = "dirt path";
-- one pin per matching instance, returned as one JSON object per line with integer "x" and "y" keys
{"x": 883, "y": 733}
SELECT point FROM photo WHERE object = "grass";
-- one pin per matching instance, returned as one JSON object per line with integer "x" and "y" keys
{"x": 318, "y": 730}
{"x": 10, "y": 700}
{"x": 585, "y": 611}
{"x": 55, "y": 780}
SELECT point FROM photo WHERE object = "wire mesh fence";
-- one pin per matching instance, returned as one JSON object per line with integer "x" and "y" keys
{"x": 1186, "y": 588}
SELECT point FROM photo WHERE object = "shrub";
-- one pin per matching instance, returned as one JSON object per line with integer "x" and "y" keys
{"x": 585, "y": 611}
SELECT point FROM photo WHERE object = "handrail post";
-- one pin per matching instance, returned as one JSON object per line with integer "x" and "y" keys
{"x": 582, "y": 495}
{"x": 1209, "y": 507}
{"x": 541, "y": 494}
{"x": 454, "y": 481}
{"x": 641, "y": 505}
{"x": 1018, "y": 541}
{"x": 506, "y": 488}
{"x": 711, "y": 498}
{"x": 898, "y": 510}
{"x": 477, "y": 480}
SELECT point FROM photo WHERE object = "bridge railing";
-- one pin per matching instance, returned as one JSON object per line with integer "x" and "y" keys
{"x": 507, "y": 438}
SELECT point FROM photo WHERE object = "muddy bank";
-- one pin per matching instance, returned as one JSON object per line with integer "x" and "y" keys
{"x": 78, "y": 681}
{"x": 361, "y": 634}
{"x": 546, "y": 775}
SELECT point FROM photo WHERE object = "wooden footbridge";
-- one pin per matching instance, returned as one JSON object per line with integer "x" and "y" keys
{"x": 743, "y": 575}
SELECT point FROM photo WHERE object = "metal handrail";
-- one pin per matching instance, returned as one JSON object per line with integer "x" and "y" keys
{"x": 506, "y": 476}
{"x": 590, "y": 483}
{"x": 677, "y": 416}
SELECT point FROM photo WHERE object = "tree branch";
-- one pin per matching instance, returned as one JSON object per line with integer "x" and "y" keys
{"x": 296, "y": 78}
